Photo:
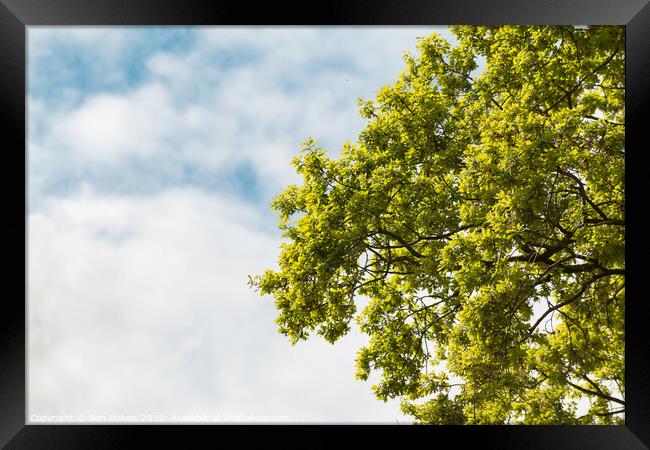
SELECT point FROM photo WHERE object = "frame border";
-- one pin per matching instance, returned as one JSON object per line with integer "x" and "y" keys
{"x": 17, "y": 15}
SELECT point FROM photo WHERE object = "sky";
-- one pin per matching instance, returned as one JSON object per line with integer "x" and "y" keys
{"x": 153, "y": 154}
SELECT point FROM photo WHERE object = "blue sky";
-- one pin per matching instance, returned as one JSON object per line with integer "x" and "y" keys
{"x": 153, "y": 155}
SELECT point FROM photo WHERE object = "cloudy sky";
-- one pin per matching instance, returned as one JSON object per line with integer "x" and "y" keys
{"x": 153, "y": 156}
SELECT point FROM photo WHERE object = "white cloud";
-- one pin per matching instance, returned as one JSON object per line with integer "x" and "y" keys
{"x": 140, "y": 305}
{"x": 250, "y": 94}
{"x": 106, "y": 128}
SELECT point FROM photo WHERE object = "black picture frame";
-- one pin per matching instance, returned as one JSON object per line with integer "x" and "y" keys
{"x": 16, "y": 15}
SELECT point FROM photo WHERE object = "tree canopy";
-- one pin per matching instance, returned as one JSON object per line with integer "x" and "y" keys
{"x": 474, "y": 230}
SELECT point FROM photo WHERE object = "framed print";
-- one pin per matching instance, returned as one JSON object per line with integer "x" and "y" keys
{"x": 458, "y": 251}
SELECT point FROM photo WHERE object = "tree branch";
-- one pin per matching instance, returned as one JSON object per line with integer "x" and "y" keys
{"x": 573, "y": 298}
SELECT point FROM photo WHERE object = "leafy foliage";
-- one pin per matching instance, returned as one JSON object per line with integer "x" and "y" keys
{"x": 481, "y": 216}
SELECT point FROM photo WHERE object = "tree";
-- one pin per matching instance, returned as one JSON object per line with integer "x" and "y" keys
{"x": 481, "y": 218}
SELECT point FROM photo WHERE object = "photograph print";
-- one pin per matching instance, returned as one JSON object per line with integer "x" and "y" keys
{"x": 326, "y": 224}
